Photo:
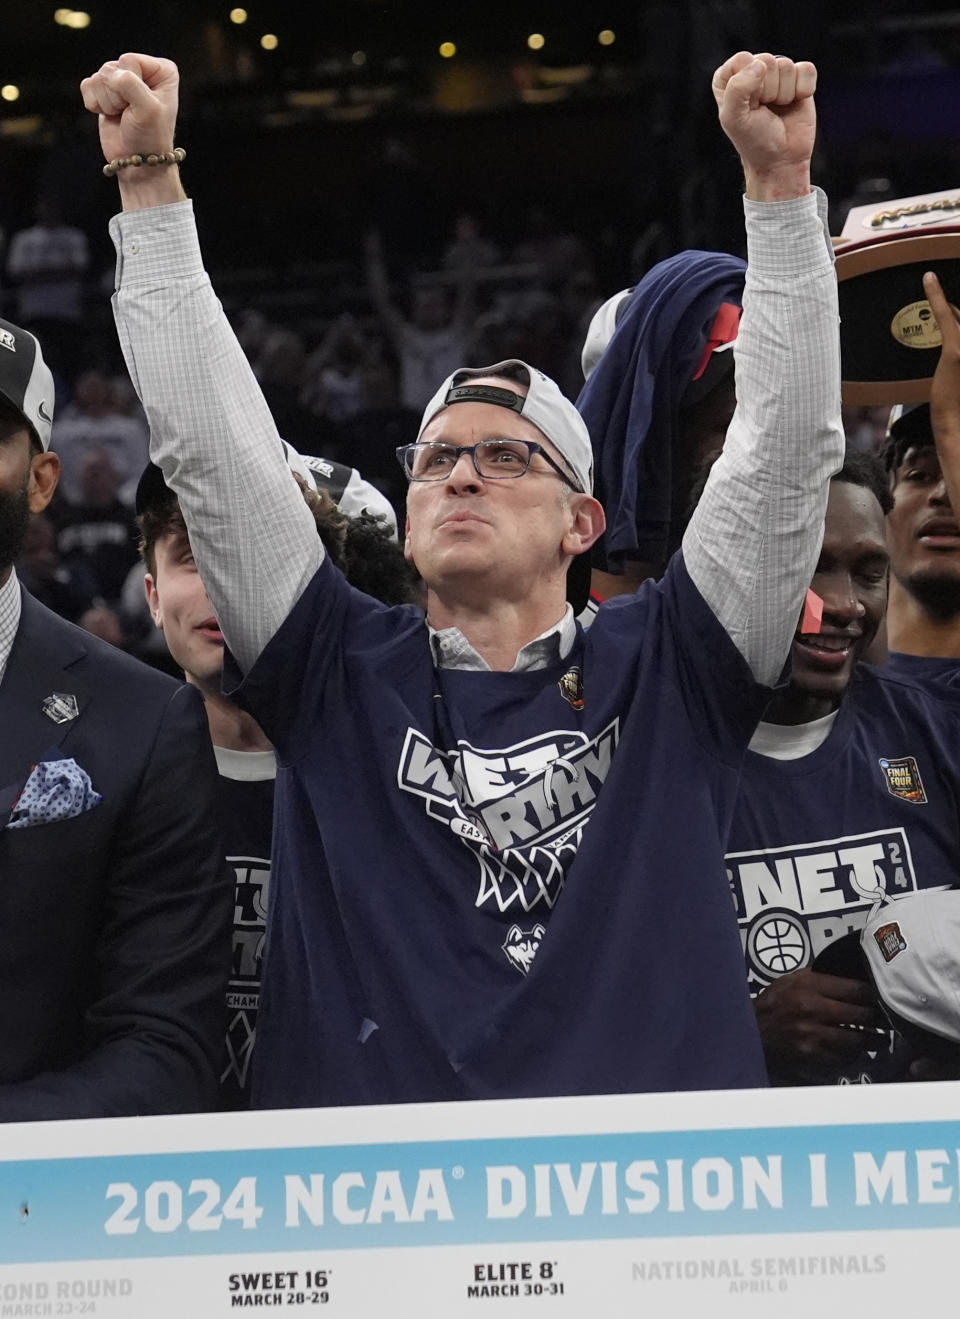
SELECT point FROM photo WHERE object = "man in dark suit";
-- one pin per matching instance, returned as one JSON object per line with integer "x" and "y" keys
{"x": 115, "y": 903}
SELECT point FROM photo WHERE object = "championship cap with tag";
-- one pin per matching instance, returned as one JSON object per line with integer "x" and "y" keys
{"x": 912, "y": 947}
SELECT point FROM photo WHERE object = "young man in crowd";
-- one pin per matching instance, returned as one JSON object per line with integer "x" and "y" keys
{"x": 362, "y": 548}
{"x": 945, "y": 394}
{"x": 114, "y": 900}
{"x": 498, "y": 865}
{"x": 923, "y": 619}
{"x": 851, "y": 785}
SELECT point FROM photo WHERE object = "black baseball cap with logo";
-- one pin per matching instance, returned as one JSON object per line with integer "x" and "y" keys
{"x": 26, "y": 381}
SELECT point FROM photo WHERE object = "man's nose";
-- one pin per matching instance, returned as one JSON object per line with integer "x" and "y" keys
{"x": 463, "y": 474}
{"x": 841, "y": 604}
{"x": 938, "y": 493}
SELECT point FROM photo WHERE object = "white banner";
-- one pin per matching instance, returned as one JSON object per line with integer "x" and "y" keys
{"x": 730, "y": 1203}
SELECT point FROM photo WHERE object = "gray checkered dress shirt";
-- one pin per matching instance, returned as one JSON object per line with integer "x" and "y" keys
{"x": 9, "y": 618}
{"x": 751, "y": 547}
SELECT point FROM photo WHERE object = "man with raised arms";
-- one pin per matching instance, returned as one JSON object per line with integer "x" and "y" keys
{"x": 499, "y": 840}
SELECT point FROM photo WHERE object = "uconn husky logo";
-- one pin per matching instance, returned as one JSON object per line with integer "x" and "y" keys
{"x": 521, "y": 946}
{"x": 521, "y": 811}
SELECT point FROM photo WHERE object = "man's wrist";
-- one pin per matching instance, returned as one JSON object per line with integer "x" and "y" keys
{"x": 145, "y": 186}
{"x": 783, "y": 183}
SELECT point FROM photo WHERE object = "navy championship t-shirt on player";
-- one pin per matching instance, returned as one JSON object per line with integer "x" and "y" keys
{"x": 923, "y": 668}
{"x": 876, "y": 805}
{"x": 501, "y": 884}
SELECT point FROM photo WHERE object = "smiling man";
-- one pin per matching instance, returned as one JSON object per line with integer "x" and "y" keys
{"x": 851, "y": 580}
{"x": 498, "y": 864}
{"x": 850, "y": 785}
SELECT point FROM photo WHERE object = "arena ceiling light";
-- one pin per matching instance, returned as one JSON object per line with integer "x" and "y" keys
{"x": 72, "y": 18}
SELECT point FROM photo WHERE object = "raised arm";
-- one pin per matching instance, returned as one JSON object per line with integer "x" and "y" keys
{"x": 752, "y": 544}
{"x": 211, "y": 431}
{"x": 378, "y": 287}
{"x": 945, "y": 390}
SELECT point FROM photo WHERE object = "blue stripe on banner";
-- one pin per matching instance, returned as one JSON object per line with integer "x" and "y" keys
{"x": 422, "y": 1193}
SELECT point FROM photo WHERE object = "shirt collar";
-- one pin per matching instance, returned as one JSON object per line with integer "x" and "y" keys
{"x": 452, "y": 650}
{"x": 792, "y": 741}
{"x": 9, "y": 618}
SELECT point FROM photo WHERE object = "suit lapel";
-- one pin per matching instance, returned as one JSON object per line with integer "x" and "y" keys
{"x": 43, "y": 652}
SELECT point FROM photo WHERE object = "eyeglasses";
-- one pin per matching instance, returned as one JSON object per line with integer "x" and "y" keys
{"x": 493, "y": 460}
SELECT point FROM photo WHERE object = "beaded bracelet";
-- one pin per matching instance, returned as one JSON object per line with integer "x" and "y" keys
{"x": 174, "y": 157}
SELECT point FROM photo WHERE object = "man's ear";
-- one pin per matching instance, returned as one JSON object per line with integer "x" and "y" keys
{"x": 407, "y": 551}
{"x": 587, "y": 524}
{"x": 153, "y": 599}
{"x": 44, "y": 475}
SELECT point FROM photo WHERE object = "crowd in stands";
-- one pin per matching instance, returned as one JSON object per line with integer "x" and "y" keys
{"x": 351, "y": 389}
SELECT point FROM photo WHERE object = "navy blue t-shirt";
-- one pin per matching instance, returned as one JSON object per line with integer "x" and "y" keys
{"x": 876, "y": 805}
{"x": 925, "y": 668}
{"x": 245, "y": 807}
{"x": 501, "y": 884}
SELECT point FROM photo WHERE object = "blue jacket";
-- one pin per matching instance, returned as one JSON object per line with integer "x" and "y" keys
{"x": 631, "y": 403}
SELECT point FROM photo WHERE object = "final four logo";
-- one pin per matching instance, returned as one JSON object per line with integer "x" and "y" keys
{"x": 903, "y": 779}
{"x": 890, "y": 941}
{"x": 571, "y": 687}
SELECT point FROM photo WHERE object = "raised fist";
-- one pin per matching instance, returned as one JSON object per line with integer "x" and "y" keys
{"x": 767, "y": 111}
{"x": 136, "y": 98}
